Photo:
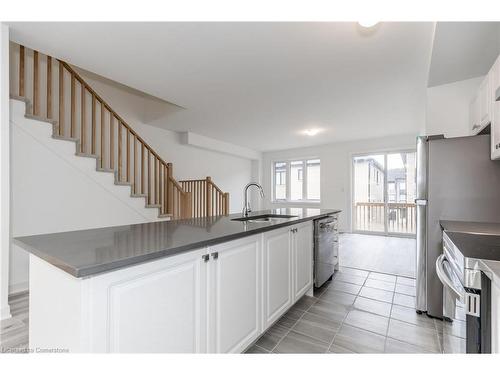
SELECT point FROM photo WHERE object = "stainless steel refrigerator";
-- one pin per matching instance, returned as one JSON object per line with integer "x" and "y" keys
{"x": 456, "y": 180}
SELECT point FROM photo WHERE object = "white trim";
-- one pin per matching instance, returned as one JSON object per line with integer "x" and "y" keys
{"x": 19, "y": 287}
{"x": 5, "y": 198}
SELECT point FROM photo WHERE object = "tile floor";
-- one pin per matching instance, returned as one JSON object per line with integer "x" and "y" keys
{"x": 14, "y": 331}
{"x": 357, "y": 312}
{"x": 392, "y": 255}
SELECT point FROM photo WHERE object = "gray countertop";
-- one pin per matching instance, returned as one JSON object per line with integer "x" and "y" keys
{"x": 88, "y": 252}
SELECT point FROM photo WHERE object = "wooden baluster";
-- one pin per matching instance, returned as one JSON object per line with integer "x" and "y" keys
{"x": 93, "y": 130}
{"x": 155, "y": 160}
{"x": 21, "y": 70}
{"x": 82, "y": 125}
{"x": 150, "y": 190}
{"x": 209, "y": 196}
{"x": 73, "y": 106}
{"x": 160, "y": 188}
{"x": 170, "y": 196}
{"x": 61, "y": 99}
{"x": 165, "y": 187}
{"x": 35, "y": 84}
{"x": 142, "y": 167}
{"x": 49, "y": 87}
{"x": 226, "y": 206}
{"x": 119, "y": 150}
{"x": 128, "y": 154}
{"x": 103, "y": 132}
{"x": 134, "y": 186}
{"x": 111, "y": 141}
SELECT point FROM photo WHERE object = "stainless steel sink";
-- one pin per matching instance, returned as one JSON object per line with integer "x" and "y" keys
{"x": 268, "y": 218}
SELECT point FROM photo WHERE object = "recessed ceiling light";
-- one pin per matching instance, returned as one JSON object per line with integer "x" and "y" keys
{"x": 367, "y": 23}
{"x": 311, "y": 132}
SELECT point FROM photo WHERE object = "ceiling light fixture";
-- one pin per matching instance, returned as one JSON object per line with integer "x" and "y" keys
{"x": 311, "y": 132}
{"x": 367, "y": 23}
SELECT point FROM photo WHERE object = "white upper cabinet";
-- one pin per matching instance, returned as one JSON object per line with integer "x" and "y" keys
{"x": 495, "y": 110}
{"x": 485, "y": 100}
{"x": 474, "y": 117}
{"x": 277, "y": 260}
{"x": 234, "y": 295}
{"x": 302, "y": 242}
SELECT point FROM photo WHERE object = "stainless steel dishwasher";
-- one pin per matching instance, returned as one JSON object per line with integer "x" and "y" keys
{"x": 326, "y": 249}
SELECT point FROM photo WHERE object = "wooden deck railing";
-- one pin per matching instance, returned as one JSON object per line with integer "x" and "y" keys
{"x": 84, "y": 116}
{"x": 370, "y": 216}
{"x": 207, "y": 198}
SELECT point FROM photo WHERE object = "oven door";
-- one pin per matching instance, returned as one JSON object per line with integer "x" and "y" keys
{"x": 453, "y": 328}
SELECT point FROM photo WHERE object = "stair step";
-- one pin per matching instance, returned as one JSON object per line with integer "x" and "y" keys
{"x": 86, "y": 155}
{"x": 40, "y": 118}
{"x": 165, "y": 215}
{"x": 123, "y": 183}
{"x": 64, "y": 138}
{"x": 139, "y": 195}
{"x": 107, "y": 170}
{"x": 153, "y": 206}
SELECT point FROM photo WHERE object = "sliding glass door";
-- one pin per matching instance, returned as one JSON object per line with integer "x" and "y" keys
{"x": 384, "y": 193}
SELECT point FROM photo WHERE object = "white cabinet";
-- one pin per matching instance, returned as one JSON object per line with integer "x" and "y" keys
{"x": 277, "y": 277}
{"x": 156, "y": 307}
{"x": 495, "y": 111}
{"x": 485, "y": 100}
{"x": 474, "y": 116}
{"x": 234, "y": 295}
{"x": 302, "y": 244}
{"x": 288, "y": 269}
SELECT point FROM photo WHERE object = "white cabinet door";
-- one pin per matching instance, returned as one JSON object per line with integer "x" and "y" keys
{"x": 234, "y": 295}
{"x": 495, "y": 111}
{"x": 302, "y": 259}
{"x": 156, "y": 307}
{"x": 474, "y": 119}
{"x": 485, "y": 100}
{"x": 277, "y": 261}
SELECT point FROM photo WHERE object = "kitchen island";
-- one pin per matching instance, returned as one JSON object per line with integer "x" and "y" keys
{"x": 200, "y": 285}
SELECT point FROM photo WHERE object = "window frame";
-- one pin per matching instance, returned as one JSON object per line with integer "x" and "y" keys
{"x": 288, "y": 162}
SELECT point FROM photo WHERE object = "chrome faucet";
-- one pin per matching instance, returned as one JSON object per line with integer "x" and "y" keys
{"x": 246, "y": 205}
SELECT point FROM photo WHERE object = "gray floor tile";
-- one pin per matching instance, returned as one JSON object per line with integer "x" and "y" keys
{"x": 368, "y": 321}
{"x": 335, "y": 296}
{"x": 416, "y": 335}
{"x": 373, "y": 306}
{"x": 339, "y": 350}
{"x": 404, "y": 300}
{"x": 378, "y": 294}
{"x": 320, "y": 333}
{"x": 357, "y": 340}
{"x": 295, "y": 342}
{"x": 406, "y": 289}
{"x": 305, "y": 302}
{"x": 254, "y": 349}
{"x": 352, "y": 279}
{"x": 382, "y": 277}
{"x": 291, "y": 317}
{"x": 409, "y": 315}
{"x": 333, "y": 311}
{"x": 272, "y": 336}
{"x": 379, "y": 284}
{"x": 353, "y": 271}
{"x": 345, "y": 287}
{"x": 406, "y": 281}
{"x": 400, "y": 347}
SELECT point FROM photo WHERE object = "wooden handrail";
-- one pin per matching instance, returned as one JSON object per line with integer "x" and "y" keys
{"x": 146, "y": 172}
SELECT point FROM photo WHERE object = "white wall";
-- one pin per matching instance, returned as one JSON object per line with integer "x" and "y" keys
{"x": 336, "y": 169}
{"x": 448, "y": 107}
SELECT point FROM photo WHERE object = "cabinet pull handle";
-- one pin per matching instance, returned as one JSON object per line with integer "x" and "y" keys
{"x": 205, "y": 257}
{"x": 215, "y": 255}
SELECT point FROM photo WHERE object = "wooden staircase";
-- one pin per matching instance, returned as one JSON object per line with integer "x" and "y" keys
{"x": 79, "y": 114}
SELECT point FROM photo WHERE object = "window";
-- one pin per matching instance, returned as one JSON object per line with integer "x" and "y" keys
{"x": 297, "y": 180}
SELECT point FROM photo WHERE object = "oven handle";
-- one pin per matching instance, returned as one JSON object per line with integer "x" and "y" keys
{"x": 458, "y": 292}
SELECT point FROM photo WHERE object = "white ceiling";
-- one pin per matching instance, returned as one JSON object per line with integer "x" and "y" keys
{"x": 259, "y": 84}
{"x": 463, "y": 50}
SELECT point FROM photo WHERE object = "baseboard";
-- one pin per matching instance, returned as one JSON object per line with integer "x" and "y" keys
{"x": 19, "y": 288}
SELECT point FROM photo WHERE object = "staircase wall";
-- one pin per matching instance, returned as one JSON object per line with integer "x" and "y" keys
{"x": 53, "y": 190}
